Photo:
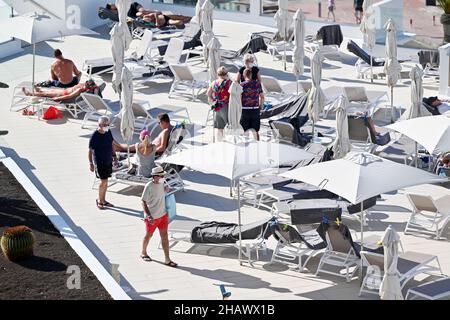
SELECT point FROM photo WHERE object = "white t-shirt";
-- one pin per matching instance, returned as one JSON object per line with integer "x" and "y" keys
{"x": 155, "y": 197}
{"x": 444, "y": 107}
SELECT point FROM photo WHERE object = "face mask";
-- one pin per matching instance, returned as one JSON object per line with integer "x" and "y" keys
{"x": 106, "y": 129}
{"x": 162, "y": 180}
{"x": 250, "y": 65}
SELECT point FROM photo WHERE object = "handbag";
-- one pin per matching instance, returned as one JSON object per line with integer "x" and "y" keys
{"x": 171, "y": 206}
{"x": 52, "y": 113}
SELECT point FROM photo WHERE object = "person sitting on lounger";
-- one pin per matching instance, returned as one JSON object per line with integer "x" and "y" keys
{"x": 162, "y": 140}
{"x": 64, "y": 72}
{"x": 154, "y": 17}
{"x": 144, "y": 155}
{"x": 63, "y": 94}
{"x": 443, "y": 106}
{"x": 135, "y": 9}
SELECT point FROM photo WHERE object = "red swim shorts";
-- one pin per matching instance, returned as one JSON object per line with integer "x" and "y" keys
{"x": 160, "y": 223}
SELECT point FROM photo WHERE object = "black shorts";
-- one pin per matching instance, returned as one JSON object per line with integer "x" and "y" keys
{"x": 251, "y": 119}
{"x": 103, "y": 171}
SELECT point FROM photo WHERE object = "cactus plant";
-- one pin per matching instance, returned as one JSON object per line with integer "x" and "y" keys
{"x": 17, "y": 243}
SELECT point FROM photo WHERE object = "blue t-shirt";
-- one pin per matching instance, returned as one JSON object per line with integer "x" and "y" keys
{"x": 101, "y": 143}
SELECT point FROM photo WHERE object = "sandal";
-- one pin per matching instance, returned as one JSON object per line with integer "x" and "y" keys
{"x": 146, "y": 258}
{"x": 100, "y": 205}
{"x": 107, "y": 204}
{"x": 171, "y": 264}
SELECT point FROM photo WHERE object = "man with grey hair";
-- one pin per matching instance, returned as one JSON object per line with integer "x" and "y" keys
{"x": 101, "y": 155}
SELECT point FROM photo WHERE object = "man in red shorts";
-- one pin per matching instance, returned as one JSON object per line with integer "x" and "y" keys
{"x": 154, "y": 205}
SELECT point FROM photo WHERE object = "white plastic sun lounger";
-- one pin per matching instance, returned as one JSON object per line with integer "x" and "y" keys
{"x": 428, "y": 216}
{"x": 409, "y": 265}
{"x": 187, "y": 82}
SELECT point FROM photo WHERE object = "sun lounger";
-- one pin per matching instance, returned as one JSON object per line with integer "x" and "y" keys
{"x": 434, "y": 111}
{"x": 429, "y": 60}
{"x": 361, "y": 100}
{"x": 293, "y": 245}
{"x": 74, "y": 106}
{"x": 254, "y": 234}
{"x": 296, "y": 190}
{"x": 434, "y": 290}
{"x": 328, "y": 40}
{"x": 409, "y": 265}
{"x": 187, "y": 82}
{"x": 341, "y": 252}
{"x": 363, "y": 65}
{"x": 256, "y": 183}
{"x": 235, "y": 58}
{"x": 428, "y": 216}
{"x": 272, "y": 87}
{"x": 138, "y": 56}
{"x": 299, "y": 211}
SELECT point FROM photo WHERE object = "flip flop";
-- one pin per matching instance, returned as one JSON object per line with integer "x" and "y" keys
{"x": 101, "y": 206}
{"x": 146, "y": 258}
{"x": 171, "y": 264}
{"x": 107, "y": 204}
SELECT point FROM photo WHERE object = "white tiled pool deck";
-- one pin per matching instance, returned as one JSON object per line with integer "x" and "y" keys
{"x": 54, "y": 155}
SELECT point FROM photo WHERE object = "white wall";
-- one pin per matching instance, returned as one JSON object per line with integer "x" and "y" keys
{"x": 88, "y": 17}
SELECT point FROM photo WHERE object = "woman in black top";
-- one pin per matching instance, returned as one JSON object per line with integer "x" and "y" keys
{"x": 248, "y": 64}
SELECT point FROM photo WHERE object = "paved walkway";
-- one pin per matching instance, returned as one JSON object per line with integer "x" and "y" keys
{"x": 54, "y": 155}
{"x": 422, "y": 17}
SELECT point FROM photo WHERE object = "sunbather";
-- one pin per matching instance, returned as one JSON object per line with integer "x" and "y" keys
{"x": 442, "y": 105}
{"x": 58, "y": 94}
{"x": 163, "y": 20}
{"x": 135, "y": 9}
{"x": 162, "y": 140}
{"x": 155, "y": 17}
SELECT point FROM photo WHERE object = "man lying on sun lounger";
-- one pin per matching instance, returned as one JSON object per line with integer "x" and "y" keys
{"x": 60, "y": 94}
{"x": 153, "y": 17}
{"x": 443, "y": 106}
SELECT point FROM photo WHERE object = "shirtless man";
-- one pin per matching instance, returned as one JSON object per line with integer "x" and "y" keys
{"x": 64, "y": 73}
{"x": 162, "y": 139}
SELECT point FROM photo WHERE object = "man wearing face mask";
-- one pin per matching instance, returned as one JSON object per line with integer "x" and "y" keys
{"x": 101, "y": 157}
{"x": 156, "y": 217}
{"x": 249, "y": 63}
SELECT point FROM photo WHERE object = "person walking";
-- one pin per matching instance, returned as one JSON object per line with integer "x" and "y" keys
{"x": 219, "y": 97}
{"x": 252, "y": 102}
{"x": 101, "y": 158}
{"x": 331, "y": 9}
{"x": 358, "y": 5}
{"x": 156, "y": 217}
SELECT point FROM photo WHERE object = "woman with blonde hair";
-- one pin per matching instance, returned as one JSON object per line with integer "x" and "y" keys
{"x": 219, "y": 97}
{"x": 249, "y": 63}
{"x": 145, "y": 154}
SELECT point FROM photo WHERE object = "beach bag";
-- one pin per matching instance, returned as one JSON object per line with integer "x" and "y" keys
{"x": 52, "y": 113}
{"x": 171, "y": 206}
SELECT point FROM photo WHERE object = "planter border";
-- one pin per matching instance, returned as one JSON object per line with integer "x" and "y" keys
{"x": 108, "y": 282}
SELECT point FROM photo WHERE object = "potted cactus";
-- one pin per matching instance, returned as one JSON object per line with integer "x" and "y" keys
{"x": 445, "y": 18}
{"x": 17, "y": 243}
